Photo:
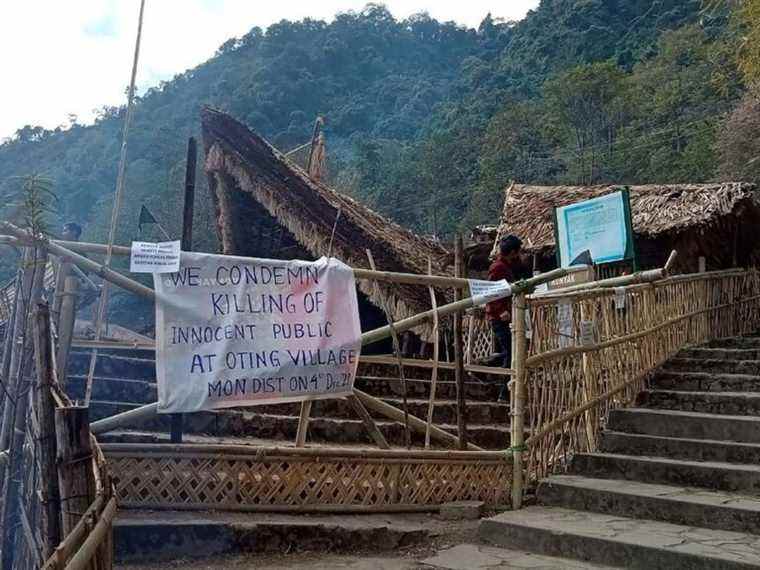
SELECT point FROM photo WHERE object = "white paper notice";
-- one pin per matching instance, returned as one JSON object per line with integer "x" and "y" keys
{"x": 620, "y": 297}
{"x": 588, "y": 333}
{"x": 483, "y": 292}
{"x": 565, "y": 324}
{"x": 162, "y": 257}
{"x": 235, "y": 331}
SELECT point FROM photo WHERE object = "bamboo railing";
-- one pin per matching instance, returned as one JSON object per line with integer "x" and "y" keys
{"x": 592, "y": 350}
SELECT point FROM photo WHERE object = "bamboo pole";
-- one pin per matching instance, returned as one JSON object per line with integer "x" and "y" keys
{"x": 76, "y": 480}
{"x": 436, "y": 347}
{"x": 83, "y": 557}
{"x": 458, "y": 356}
{"x": 415, "y": 423}
{"x": 399, "y": 357}
{"x": 303, "y": 423}
{"x": 43, "y": 398}
{"x": 519, "y": 352}
{"x": 369, "y": 423}
{"x": 67, "y": 319}
{"x": 64, "y": 271}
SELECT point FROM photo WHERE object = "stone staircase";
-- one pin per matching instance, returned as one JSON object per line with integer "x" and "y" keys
{"x": 123, "y": 383}
{"x": 676, "y": 483}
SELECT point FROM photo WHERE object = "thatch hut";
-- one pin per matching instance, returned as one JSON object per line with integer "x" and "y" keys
{"x": 266, "y": 206}
{"x": 716, "y": 221}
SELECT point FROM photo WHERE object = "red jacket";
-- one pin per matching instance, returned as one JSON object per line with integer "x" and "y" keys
{"x": 501, "y": 269}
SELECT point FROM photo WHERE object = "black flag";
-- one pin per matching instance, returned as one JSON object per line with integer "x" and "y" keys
{"x": 145, "y": 218}
{"x": 583, "y": 258}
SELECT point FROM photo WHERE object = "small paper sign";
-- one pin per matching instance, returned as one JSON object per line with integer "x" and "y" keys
{"x": 162, "y": 257}
{"x": 620, "y": 297}
{"x": 483, "y": 292}
{"x": 588, "y": 333}
{"x": 565, "y": 324}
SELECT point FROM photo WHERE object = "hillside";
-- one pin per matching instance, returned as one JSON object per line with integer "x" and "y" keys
{"x": 426, "y": 121}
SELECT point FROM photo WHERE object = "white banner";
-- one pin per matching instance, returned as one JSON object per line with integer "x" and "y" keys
{"x": 147, "y": 257}
{"x": 235, "y": 331}
{"x": 483, "y": 292}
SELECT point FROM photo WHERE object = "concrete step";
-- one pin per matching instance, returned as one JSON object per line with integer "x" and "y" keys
{"x": 484, "y": 557}
{"x": 744, "y": 342}
{"x": 152, "y": 536}
{"x": 233, "y": 423}
{"x": 420, "y": 388}
{"x": 714, "y": 365}
{"x": 705, "y": 381}
{"x": 729, "y": 403}
{"x": 113, "y": 389}
{"x": 112, "y": 366}
{"x": 679, "y": 448}
{"x": 677, "y": 505}
{"x": 690, "y": 425}
{"x": 735, "y": 477}
{"x": 619, "y": 541}
{"x": 721, "y": 353}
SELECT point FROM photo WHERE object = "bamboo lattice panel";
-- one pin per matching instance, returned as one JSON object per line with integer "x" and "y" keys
{"x": 240, "y": 482}
{"x": 478, "y": 338}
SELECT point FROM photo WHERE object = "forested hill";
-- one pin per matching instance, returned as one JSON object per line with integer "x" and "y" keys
{"x": 426, "y": 121}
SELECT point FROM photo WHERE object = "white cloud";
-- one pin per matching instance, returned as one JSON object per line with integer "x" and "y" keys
{"x": 73, "y": 56}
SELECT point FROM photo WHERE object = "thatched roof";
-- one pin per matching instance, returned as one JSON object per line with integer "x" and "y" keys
{"x": 243, "y": 166}
{"x": 657, "y": 209}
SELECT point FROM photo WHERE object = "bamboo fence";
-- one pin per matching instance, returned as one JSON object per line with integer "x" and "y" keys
{"x": 592, "y": 350}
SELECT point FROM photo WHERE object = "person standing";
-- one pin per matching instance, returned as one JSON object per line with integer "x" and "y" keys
{"x": 508, "y": 265}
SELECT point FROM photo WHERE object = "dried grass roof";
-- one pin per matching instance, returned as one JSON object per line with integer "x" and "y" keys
{"x": 656, "y": 209}
{"x": 308, "y": 210}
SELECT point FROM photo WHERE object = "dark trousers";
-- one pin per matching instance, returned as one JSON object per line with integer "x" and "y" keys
{"x": 503, "y": 335}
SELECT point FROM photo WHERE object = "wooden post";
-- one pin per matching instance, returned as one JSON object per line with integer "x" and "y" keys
{"x": 66, "y": 320}
{"x": 76, "y": 480}
{"x": 368, "y": 422}
{"x": 519, "y": 353}
{"x": 64, "y": 271}
{"x": 43, "y": 351}
{"x": 186, "y": 245}
{"x": 702, "y": 264}
{"x": 458, "y": 356}
{"x": 303, "y": 423}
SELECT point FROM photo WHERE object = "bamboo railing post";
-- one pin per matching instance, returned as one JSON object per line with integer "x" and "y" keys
{"x": 43, "y": 400}
{"x": 519, "y": 354}
{"x": 458, "y": 356}
{"x": 436, "y": 348}
{"x": 66, "y": 320}
{"x": 64, "y": 271}
{"x": 303, "y": 423}
{"x": 368, "y": 422}
{"x": 588, "y": 386}
{"x": 76, "y": 480}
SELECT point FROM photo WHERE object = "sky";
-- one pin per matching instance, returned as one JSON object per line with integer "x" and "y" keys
{"x": 62, "y": 57}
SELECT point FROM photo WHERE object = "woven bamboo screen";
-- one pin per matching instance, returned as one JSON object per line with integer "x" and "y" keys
{"x": 591, "y": 352}
{"x": 243, "y": 478}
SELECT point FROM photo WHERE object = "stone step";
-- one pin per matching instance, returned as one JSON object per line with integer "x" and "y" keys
{"x": 721, "y": 353}
{"x": 484, "y": 557}
{"x": 730, "y": 403}
{"x": 233, "y": 423}
{"x": 146, "y": 537}
{"x": 619, "y": 541}
{"x": 420, "y": 388}
{"x": 677, "y": 505}
{"x": 715, "y": 365}
{"x": 709, "y": 475}
{"x": 744, "y": 342}
{"x": 705, "y": 381}
{"x": 690, "y": 425}
{"x": 679, "y": 448}
{"x": 112, "y": 366}
{"x": 112, "y": 389}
